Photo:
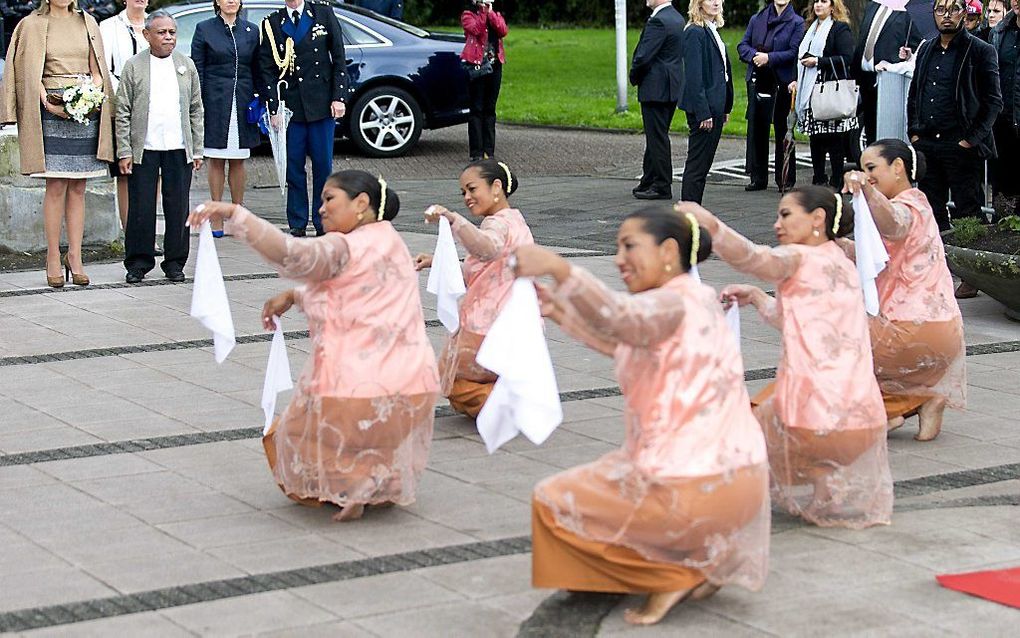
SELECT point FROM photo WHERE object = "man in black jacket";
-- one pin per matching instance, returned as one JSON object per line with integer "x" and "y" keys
{"x": 657, "y": 70}
{"x": 1005, "y": 37}
{"x": 885, "y": 36}
{"x": 302, "y": 45}
{"x": 953, "y": 102}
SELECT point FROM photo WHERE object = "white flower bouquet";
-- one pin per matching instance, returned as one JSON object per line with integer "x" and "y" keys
{"x": 81, "y": 100}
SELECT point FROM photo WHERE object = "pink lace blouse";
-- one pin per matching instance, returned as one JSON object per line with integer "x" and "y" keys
{"x": 361, "y": 296}
{"x": 825, "y": 379}
{"x": 688, "y": 413}
{"x": 486, "y": 271}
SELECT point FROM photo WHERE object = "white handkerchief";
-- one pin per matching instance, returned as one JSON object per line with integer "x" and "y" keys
{"x": 209, "y": 302}
{"x": 733, "y": 321}
{"x": 871, "y": 253}
{"x": 693, "y": 272}
{"x": 525, "y": 397}
{"x": 277, "y": 375}
{"x": 446, "y": 281}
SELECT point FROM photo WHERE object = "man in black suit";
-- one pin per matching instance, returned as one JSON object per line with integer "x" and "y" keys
{"x": 657, "y": 70}
{"x": 302, "y": 45}
{"x": 885, "y": 36}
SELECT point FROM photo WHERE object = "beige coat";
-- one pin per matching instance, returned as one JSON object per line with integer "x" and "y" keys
{"x": 19, "y": 98}
{"x": 133, "y": 106}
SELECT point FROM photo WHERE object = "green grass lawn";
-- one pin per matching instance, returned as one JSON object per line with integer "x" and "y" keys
{"x": 568, "y": 77}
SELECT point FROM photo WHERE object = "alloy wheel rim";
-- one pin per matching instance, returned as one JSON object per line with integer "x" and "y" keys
{"x": 387, "y": 123}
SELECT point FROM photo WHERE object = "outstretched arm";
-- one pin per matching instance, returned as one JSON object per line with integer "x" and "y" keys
{"x": 302, "y": 260}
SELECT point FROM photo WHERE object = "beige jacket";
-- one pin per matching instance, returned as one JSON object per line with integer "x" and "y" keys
{"x": 133, "y": 107}
{"x": 19, "y": 99}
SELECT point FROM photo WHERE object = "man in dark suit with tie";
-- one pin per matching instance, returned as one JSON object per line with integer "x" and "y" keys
{"x": 658, "y": 70}
{"x": 302, "y": 45}
{"x": 885, "y": 36}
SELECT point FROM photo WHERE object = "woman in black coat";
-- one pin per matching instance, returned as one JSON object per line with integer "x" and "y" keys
{"x": 708, "y": 92}
{"x": 224, "y": 51}
{"x": 825, "y": 54}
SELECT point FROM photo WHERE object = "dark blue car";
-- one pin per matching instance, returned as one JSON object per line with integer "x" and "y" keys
{"x": 406, "y": 79}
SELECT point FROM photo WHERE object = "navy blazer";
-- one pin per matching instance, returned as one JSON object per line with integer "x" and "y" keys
{"x": 657, "y": 69}
{"x": 708, "y": 77}
{"x": 319, "y": 74}
{"x": 217, "y": 53}
{"x": 898, "y": 31}
{"x": 787, "y": 32}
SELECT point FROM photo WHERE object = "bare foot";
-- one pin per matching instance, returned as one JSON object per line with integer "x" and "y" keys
{"x": 350, "y": 513}
{"x": 656, "y": 607}
{"x": 895, "y": 423}
{"x": 930, "y": 416}
{"x": 704, "y": 590}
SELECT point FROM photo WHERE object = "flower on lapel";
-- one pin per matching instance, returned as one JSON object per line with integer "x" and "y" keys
{"x": 181, "y": 69}
{"x": 318, "y": 30}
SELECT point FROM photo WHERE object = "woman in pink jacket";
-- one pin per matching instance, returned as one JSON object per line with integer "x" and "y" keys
{"x": 483, "y": 57}
{"x": 823, "y": 417}
{"x": 486, "y": 186}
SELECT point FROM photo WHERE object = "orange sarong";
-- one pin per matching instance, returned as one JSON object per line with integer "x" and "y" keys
{"x": 911, "y": 359}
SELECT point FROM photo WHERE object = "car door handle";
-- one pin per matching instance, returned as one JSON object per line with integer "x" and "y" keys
{"x": 349, "y": 60}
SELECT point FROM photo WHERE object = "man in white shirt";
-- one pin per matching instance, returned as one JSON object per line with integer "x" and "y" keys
{"x": 157, "y": 138}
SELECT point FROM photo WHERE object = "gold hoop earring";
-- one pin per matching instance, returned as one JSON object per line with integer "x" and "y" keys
{"x": 669, "y": 267}
{"x": 816, "y": 233}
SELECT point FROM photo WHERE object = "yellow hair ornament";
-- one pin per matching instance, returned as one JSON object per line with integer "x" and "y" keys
{"x": 509, "y": 178}
{"x": 839, "y": 213}
{"x": 695, "y": 239}
{"x": 382, "y": 200}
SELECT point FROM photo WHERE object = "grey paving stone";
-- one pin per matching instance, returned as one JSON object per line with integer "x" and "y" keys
{"x": 484, "y": 579}
{"x": 377, "y": 595}
{"x": 50, "y": 586}
{"x": 98, "y": 467}
{"x": 455, "y": 620}
{"x": 226, "y": 530}
{"x": 248, "y": 614}
{"x": 294, "y": 552}
{"x": 148, "y": 624}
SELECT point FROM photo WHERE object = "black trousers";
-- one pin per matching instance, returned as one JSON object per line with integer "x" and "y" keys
{"x": 762, "y": 115}
{"x": 701, "y": 147}
{"x": 657, "y": 165}
{"x": 951, "y": 168}
{"x": 867, "y": 110}
{"x": 140, "y": 234}
{"x": 834, "y": 147}
{"x": 1002, "y": 171}
{"x": 484, "y": 93}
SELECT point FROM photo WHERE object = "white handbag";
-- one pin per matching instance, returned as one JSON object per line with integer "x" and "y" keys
{"x": 834, "y": 99}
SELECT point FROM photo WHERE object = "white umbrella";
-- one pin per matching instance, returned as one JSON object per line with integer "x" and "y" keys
{"x": 278, "y": 136}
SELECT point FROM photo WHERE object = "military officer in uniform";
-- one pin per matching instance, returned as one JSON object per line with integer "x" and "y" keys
{"x": 302, "y": 45}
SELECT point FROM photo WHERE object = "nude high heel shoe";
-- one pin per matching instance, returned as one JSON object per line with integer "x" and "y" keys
{"x": 77, "y": 280}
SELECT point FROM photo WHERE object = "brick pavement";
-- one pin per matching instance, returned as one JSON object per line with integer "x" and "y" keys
{"x": 135, "y": 499}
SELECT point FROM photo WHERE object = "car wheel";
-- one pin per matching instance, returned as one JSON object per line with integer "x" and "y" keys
{"x": 386, "y": 122}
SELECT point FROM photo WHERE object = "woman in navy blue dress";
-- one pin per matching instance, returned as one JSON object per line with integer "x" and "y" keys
{"x": 224, "y": 51}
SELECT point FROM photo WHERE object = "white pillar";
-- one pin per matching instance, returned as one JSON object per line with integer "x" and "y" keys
{"x": 621, "y": 56}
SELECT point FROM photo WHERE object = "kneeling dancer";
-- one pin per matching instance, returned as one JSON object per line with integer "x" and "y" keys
{"x": 358, "y": 427}
{"x": 683, "y": 507}
{"x": 823, "y": 417}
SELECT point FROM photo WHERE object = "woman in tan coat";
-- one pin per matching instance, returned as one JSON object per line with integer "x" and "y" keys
{"x": 53, "y": 48}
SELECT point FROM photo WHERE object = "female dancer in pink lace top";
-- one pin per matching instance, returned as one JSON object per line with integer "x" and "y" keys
{"x": 918, "y": 336}
{"x": 683, "y": 507}
{"x": 359, "y": 425}
{"x": 486, "y": 186}
{"x": 824, "y": 424}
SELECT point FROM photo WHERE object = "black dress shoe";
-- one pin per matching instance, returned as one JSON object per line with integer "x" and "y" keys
{"x": 176, "y": 276}
{"x": 297, "y": 232}
{"x": 652, "y": 194}
{"x": 637, "y": 189}
{"x": 756, "y": 186}
{"x": 134, "y": 277}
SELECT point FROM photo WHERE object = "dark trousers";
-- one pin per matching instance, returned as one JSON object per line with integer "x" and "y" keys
{"x": 951, "y": 168}
{"x": 701, "y": 147}
{"x": 1002, "y": 170}
{"x": 484, "y": 93}
{"x": 867, "y": 110}
{"x": 140, "y": 234}
{"x": 657, "y": 166}
{"x": 315, "y": 140}
{"x": 833, "y": 146}
{"x": 765, "y": 114}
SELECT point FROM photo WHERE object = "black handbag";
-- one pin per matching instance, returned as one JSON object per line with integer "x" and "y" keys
{"x": 476, "y": 71}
